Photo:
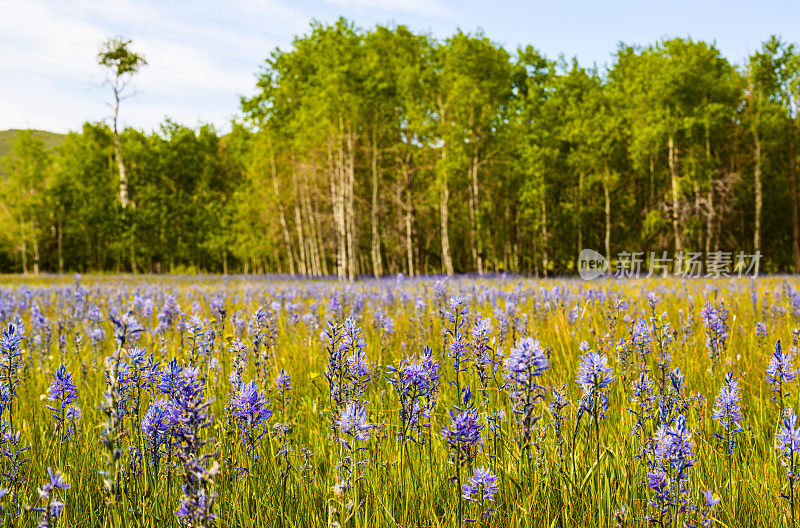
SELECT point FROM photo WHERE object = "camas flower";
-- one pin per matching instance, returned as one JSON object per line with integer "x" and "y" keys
{"x": 593, "y": 377}
{"x": 463, "y": 436}
{"x": 239, "y": 363}
{"x": 788, "y": 444}
{"x": 10, "y": 340}
{"x": 761, "y": 330}
{"x": 157, "y": 420}
{"x": 11, "y": 362}
{"x": 711, "y": 500}
{"x": 728, "y": 410}
{"x": 172, "y": 377}
{"x": 416, "y": 383}
{"x": 196, "y": 508}
{"x": 525, "y": 361}
{"x": 780, "y": 371}
{"x": 62, "y": 389}
{"x": 668, "y": 479}
{"x": 52, "y": 505}
{"x": 283, "y": 382}
{"x": 656, "y": 480}
{"x": 156, "y": 428}
{"x": 594, "y": 372}
{"x": 788, "y": 440}
{"x": 643, "y": 402}
{"x": 715, "y": 319}
{"x": 353, "y": 423}
{"x": 126, "y": 328}
{"x": 189, "y": 412}
{"x": 486, "y": 358}
{"x": 642, "y": 338}
{"x": 65, "y": 413}
{"x": 250, "y": 405}
{"x": 480, "y": 486}
{"x": 458, "y": 352}
{"x": 456, "y": 311}
{"x": 197, "y": 502}
{"x": 481, "y": 331}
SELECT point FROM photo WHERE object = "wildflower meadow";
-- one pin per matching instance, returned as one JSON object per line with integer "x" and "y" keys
{"x": 242, "y": 401}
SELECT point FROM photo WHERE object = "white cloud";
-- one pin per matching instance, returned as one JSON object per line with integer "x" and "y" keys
{"x": 201, "y": 55}
{"x": 197, "y": 55}
{"x": 415, "y": 7}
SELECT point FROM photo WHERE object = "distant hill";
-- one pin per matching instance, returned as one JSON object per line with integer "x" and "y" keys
{"x": 7, "y": 137}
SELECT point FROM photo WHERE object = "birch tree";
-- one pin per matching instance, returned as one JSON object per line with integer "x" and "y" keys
{"x": 121, "y": 64}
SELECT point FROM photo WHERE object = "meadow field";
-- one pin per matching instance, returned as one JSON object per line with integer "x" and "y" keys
{"x": 238, "y": 401}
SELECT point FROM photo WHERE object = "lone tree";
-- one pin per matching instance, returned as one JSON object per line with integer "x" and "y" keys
{"x": 121, "y": 64}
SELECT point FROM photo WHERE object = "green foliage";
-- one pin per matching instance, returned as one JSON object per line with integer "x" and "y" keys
{"x": 116, "y": 55}
{"x": 357, "y": 142}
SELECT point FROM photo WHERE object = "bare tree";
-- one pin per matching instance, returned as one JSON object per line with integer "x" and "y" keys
{"x": 121, "y": 64}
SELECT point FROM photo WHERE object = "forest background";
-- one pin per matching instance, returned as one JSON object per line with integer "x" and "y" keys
{"x": 383, "y": 150}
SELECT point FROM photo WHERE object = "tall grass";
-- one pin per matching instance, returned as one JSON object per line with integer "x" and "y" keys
{"x": 291, "y": 480}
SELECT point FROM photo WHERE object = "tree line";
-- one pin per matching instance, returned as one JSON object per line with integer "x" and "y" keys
{"x": 369, "y": 152}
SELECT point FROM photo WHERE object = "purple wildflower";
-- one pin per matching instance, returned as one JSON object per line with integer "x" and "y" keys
{"x": 711, "y": 500}
{"x": 63, "y": 391}
{"x": 156, "y": 427}
{"x": 126, "y": 328}
{"x": 480, "y": 487}
{"x": 643, "y": 400}
{"x": 593, "y": 377}
{"x": 249, "y": 408}
{"x": 11, "y": 364}
{"x": 416, "y": 383}
{"x": 674, "y": 457}
{"x": 526, "y": 362}
{"x": 463, "y": 436}
{"x": 728, "y": 410}
{"x": 788, "y": 445}
{"x": 780, "y": 372}
{"x": 196, "y": 507}
{"x": 642, "y": 339}
{"x": 353, "y": 424}
{"x": 283, "y": 382}
{"x": 52, "y": 504}
{"x": 197, "y": 503}
{"x": 715, "y": 319}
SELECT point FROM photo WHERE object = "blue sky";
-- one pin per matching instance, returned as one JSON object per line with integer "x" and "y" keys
{"x": 203, "y": 54}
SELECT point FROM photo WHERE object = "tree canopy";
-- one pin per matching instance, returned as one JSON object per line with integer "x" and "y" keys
{"x": 382, "y": 150}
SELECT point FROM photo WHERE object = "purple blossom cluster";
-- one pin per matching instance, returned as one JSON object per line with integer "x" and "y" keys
{"x": 521, "y": 428}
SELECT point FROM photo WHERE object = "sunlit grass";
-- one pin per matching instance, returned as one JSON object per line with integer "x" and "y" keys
{"x": 407, "y": 485}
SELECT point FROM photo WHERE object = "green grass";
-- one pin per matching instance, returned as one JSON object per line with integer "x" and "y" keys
{"x": 407, "y": 485}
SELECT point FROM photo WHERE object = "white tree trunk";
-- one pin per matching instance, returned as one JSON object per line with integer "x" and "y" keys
{"x": 444, "y": 199}
{"x": 123, "y": 177}
{"x": 299, "y": 225}
{"x": 377, "y": 263}
{"x": 757, "y": 181}
{"x": 475, "y": 208}
{"x": 349, "y": 206}
{"x": 676, "y": 229}
{"x": 607, "y": 195}
{"x": 287, "y": 239}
